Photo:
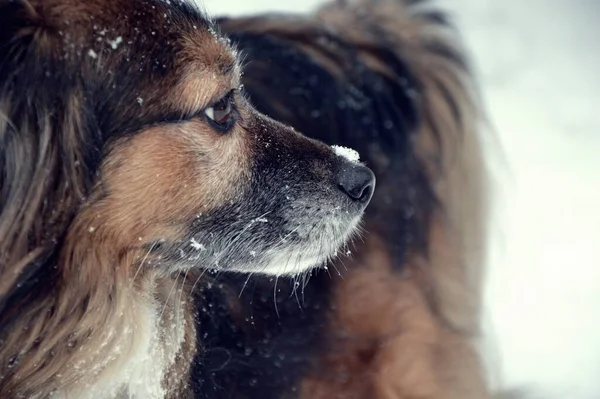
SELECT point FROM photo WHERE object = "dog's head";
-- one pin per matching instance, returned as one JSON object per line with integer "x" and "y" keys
{"x": 123, "y": 126}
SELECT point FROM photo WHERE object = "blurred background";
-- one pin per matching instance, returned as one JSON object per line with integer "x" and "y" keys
{"x": 538, "y": 62}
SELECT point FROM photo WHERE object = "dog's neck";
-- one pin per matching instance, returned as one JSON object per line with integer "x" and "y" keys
{"x": 140, "y": 311}
{"x": 131, "y": 358}
{"x": 98, "y": 333}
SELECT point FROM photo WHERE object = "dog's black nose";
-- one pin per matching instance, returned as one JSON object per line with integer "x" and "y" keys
{"x": 357, "y": 181}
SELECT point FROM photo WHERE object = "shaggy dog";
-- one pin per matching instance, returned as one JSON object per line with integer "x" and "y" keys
{"x": 159, "y": 235}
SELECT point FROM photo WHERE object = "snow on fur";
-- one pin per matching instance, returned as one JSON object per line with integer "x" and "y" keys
{"x": 348, "y": 153}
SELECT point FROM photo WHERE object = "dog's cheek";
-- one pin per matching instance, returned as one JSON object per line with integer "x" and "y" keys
{"x": 158, "y": 181}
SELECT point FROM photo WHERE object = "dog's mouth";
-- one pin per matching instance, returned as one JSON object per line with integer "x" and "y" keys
{"x": 326, "y": 240}
{"x": 262, "y": 246}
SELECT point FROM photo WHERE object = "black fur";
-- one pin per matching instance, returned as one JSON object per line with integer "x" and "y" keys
{"x": 263, "y": 350}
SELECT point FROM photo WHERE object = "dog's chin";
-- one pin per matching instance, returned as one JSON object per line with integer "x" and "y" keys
{"x": 295, "y": 262}
{"x": 307, "y": 246}
{"x": 315, "y": 252}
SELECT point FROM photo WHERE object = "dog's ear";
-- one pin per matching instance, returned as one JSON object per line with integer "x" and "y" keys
{"x": 46, "y": 145}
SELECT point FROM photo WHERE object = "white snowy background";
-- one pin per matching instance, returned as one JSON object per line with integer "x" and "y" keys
{"x": 539, "y": 65}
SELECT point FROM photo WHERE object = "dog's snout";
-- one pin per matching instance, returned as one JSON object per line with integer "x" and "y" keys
{"x": 357, "y": 182}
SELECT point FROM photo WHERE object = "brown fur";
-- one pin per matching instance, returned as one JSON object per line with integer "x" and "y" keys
{"x": 387, "y": 341}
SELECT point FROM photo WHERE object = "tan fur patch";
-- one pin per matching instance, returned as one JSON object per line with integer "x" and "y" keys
{"x": 194, "y": 167}
{"x": 387, "y": 342}
{"x": 211, "y": 69}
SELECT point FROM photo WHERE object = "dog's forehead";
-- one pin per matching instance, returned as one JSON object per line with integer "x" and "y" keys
{"x": 207, "y": 68}
{"x": 149, "y": 24}
{"x": 160, "y": 30}
{"x": 207, "y": 50}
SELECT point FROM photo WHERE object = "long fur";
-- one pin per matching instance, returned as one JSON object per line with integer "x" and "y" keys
{"x": 65, "y": 307}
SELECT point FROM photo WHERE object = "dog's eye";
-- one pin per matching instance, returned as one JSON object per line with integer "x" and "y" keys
{"x": 221, "y": 114}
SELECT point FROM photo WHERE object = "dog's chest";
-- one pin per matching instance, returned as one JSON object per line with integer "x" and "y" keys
{"x": 135, "y": 363}
{"x": 144, "y": 373}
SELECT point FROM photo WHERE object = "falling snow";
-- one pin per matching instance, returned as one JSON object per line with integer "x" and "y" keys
{"x": 114, "y": 44}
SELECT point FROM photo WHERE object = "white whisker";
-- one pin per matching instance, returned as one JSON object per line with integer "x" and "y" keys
{"x": 169, "y": 296}
{"x": 142, "y": 264}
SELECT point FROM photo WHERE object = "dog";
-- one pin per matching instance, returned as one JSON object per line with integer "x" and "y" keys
{"x": 158, "y": 235}
{"x": 132, "y": 164}
{"x": 399, "y": 317}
